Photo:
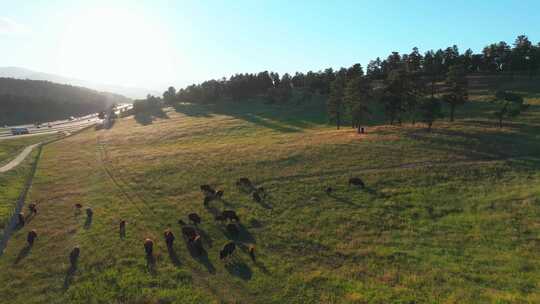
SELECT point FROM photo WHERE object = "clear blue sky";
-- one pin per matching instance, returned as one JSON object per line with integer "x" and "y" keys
{"x": 154, "y": 44}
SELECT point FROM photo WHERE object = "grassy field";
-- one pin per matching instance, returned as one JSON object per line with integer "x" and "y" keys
{"x": 11, "y": 184}
{"x": 451, "y": 216}
{"x": 9, "y": 148}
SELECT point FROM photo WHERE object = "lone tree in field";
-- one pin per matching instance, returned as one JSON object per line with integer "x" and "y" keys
{"x": 510, "y": 105}
{"x": 356, "y": 99}
{"x": 429, "y": 110}
{"x": 457, "y": 95}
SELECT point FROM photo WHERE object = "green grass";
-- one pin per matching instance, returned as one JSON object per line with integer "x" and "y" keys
{"x": 11, "y": 184}
{"x": 9, "y": 148}
{"x": 449, "y": 216}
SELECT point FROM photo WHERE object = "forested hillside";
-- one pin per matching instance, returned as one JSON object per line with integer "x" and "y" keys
{"x": 415, "y": 87}
{"x": 29, "y": 101}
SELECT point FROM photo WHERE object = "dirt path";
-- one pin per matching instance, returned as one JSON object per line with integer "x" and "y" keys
{"x": 17, "y": 160}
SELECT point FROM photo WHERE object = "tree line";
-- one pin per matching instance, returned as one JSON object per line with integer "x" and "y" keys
{"x": 412, "y": 86}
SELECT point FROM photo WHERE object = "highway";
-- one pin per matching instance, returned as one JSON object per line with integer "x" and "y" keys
{"x": 67, "y": 126}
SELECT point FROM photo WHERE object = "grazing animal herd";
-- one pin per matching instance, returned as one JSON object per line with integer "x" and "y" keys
{"x": 189, "y": 232}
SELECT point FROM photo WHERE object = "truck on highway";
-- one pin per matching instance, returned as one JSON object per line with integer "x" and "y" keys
{"x": 19, "y": 131}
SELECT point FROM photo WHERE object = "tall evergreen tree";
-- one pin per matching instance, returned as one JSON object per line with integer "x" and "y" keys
{"x": 458, "y": 92}
{"x": 356, "y": 98}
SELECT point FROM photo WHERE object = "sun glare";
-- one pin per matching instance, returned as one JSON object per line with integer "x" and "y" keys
{"x": 115, "y": 46}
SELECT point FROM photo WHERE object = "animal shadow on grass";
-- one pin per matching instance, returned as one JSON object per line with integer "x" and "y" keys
{"x": 201, "y": 256}
{"x": 239, "y": 269}
{"x": 243, "y": 235}
{"x": 88, "y": 222}
{"x": 151, "y": 263}
{"x": 174, "y": 257}
{"x": 122, "y": 233}
{"x": 25, "y": 251}
{"x": 68, "y": 279}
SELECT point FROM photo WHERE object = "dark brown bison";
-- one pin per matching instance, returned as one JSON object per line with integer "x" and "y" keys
{"x": 194, "y": 218}
{"x": 232, "y": 229}
{"x": 20, "y": 219}
{"x": 74, "y": 256}
{"x": 30, "y": 238}
{"x": 230, "y": 215}
{"x": 355, "y": 181}
{"x": 169, "y": 238}
{"x": 122, "y": 225}
{"x": 77, "y": 206}
{"x": 227, "y": 250}
{"x": 148, "y": 247}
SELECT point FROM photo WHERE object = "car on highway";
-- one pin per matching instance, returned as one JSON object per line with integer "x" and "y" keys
{"x": 19, "y": 131}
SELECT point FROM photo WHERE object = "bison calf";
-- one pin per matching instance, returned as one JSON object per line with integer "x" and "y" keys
{"x": 32, "y": 235}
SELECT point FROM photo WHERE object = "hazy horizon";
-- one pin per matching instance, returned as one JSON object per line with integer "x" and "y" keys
{"x": 156, "y": 44}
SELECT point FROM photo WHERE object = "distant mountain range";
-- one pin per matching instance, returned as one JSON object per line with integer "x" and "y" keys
{"x": 22, "y": 73}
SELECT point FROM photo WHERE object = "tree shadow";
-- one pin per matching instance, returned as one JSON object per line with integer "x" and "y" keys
{"x": 25, "y": 251}
{"x": 279, "y": 118}
{"x": 239, "y": 269}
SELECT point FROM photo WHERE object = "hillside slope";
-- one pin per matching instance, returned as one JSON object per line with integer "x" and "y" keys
{"x": 22, "y": 73}
{"x": 28, "y": 101}
{"x": 449, "y": 216}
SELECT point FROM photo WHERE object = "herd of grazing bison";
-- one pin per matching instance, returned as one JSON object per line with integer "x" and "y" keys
{"x": 189, "y": 231}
